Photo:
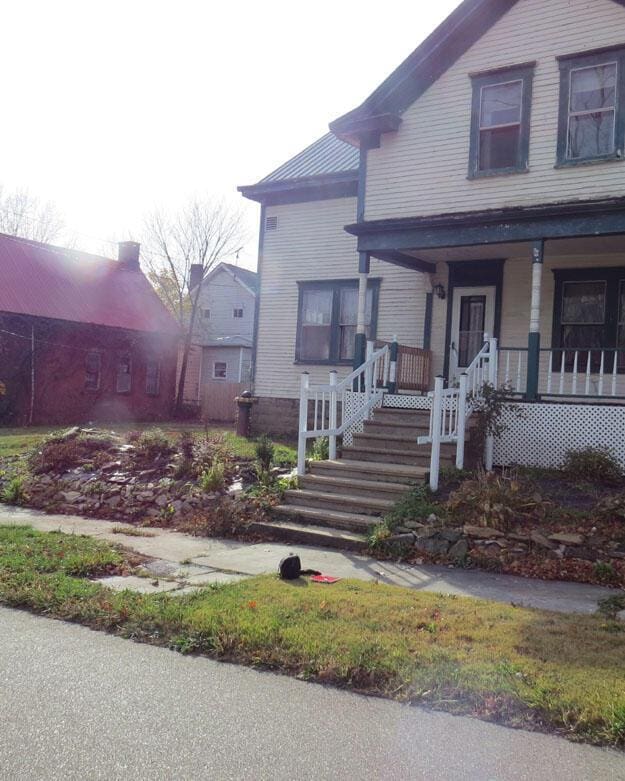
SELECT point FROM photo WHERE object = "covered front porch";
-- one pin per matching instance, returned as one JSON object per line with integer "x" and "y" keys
{"x": 547, "y": 282}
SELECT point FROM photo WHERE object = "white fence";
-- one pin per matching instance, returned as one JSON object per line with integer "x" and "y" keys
{"x": 451, "y": 408}
{"x": 334, "y": 410}
{"x": 576, "y": 373}
{"x": 540, "y": 434}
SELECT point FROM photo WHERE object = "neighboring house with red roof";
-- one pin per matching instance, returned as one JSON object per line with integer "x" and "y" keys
{"x": 82, "y": 337}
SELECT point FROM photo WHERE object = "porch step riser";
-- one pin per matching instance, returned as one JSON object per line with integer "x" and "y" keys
{"x": 325, "y": 517}
{"x": 409, "y": 418}
{"x": 336, "y": 503}
{"x": 406, "y": 445}
{"x": 352, "y": 470}
{"x": 342, "y": 485}
{"x": 392, "y": 457}
{"x": 395, "y": 430}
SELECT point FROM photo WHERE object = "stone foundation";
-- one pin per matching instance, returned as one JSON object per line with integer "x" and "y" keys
{"x": 278, "y": 417}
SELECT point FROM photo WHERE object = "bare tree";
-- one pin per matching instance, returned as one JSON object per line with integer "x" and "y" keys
{"x": 201, "y": 234}
{"x": 25, "y": 215}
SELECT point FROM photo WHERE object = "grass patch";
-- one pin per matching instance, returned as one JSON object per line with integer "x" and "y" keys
{"x": 517, "y": 666}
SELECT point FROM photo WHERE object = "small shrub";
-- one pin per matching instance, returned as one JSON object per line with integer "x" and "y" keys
{"x": 213, "y": 478}
{"x": 186, "y": 445}
{"x": 497, "y": 500}
{"x": 213, "y": 447}
{"x": 605, "y": 572}
{"x": 593, "y": 465}
{"x": 417, "y": 505}
{"x": 320, "y": 449}
{"x": 184, "y": 466}
{"x": 13, "y": 492}
{"x": 58, "y": 453}
{"x": 153, "y": 444}
{"x": 264, "y": 452}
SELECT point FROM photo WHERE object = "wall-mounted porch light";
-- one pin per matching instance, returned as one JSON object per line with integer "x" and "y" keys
{"x": 439, "y": 291}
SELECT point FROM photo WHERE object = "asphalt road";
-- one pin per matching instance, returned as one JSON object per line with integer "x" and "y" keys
{"x": 77, "y": 704}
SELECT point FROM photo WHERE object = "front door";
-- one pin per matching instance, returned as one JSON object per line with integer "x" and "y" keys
{"x": 473, "y": 315}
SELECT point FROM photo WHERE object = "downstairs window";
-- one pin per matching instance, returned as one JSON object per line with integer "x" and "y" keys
{"x": 327, "y": 319}
{"x": 589, "y": 317}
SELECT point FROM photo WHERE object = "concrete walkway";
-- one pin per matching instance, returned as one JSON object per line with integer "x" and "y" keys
{"x": 183, "y": 562}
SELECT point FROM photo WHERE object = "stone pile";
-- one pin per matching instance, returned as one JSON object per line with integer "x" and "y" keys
{"x": 455, "y": 543}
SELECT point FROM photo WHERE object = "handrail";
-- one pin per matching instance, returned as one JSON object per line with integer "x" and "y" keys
{"x": 326, "y": 411}
{"x": 451, "y": 409}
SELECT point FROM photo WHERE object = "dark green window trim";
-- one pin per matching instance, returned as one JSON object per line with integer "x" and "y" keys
{"x": 613, "y": 276}
{"x": 335, "y": 285}
{"x": 569, "y": 63}
{"x": 523, "y": 73}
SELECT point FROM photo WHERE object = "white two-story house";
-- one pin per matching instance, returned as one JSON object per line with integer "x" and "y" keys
{"x": 222, "y": 340}
{"x": 480, "y": 189}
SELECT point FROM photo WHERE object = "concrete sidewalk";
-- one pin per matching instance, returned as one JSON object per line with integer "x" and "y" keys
{"x": 187, "y": 562}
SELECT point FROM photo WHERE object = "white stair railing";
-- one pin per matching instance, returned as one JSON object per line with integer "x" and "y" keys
{"x": 328, "y": 413}
{"x": 451, "y": 410}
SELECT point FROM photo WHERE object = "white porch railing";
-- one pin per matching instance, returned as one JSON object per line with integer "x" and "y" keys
{"x": 329, "y": 410}
{"x": 451, "y": 409}
{"x": 593, "y": 373}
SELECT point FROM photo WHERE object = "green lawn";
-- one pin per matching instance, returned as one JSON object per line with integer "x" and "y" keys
{"x": 14, "y": 441}
{"x": 518, "y": 666}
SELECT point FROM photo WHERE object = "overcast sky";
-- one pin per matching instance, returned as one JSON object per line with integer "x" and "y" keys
{"x": 112, "y": 108}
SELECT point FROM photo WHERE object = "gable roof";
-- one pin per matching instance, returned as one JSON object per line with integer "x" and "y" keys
{"x": 246, "y": 278}
{"x": 382, "y": 110}
{"x": 62, "y": 284}
{"x": 327, "y": 161}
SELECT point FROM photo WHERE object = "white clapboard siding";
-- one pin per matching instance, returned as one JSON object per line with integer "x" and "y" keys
{"x": 311, "y": 244}
{"x": 220, "y": 295}
{"x": 422, "y": 169}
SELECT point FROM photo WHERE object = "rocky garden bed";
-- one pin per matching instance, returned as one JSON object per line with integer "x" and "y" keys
{"x": 566, "y": 524}
{"x": 194, "y": 483}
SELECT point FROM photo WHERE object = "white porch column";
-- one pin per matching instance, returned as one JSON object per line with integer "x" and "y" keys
{"x": 360, "y": 345}
{"x": 533, "y": 339}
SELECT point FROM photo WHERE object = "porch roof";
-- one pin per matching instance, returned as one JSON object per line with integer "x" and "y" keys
{"x": 399, "y": 240}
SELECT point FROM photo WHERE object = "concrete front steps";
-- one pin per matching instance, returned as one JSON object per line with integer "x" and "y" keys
{"x": 338, "y": 502}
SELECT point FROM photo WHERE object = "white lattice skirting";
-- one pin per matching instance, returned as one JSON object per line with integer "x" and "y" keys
{"x": 354, "y": 402}
{"x": 544, "y": 432}
{"x": 406, "y": 401}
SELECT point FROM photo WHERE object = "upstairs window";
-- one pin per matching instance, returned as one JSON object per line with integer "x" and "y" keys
{"x": 237, "y": 312}
{"x": 500, "y": 122}
{"x": 327, "y": 319}
{"x": 207, "y": 314}
{"x": 592, "y": 115}
{"x": 93, "y": 370}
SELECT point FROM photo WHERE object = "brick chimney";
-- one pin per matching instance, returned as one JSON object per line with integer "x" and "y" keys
{"x": 195, "y": 275}
{"x": 128, "y": 255}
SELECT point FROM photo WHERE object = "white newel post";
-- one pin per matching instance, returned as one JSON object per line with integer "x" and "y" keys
{"x": 437, "y": 408}
{"x": 333, "y": 417}
{"x": 303, "y": 424}
{"x": 492, "y": 380}
{"x": 462, "y": 420}
{"x": 369, "y": 371}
